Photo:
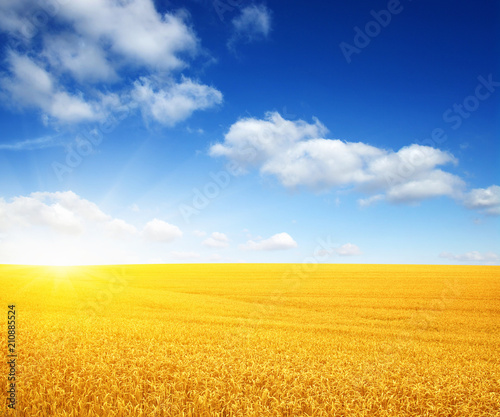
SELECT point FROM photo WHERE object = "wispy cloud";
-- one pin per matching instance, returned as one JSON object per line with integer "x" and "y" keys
{"x": 252, "y": 24}
{"x": 33, "y": 144}
{"x": 365, "y": 202}
{"x": 348, "y": 249}
{"x": 472, "y": 256}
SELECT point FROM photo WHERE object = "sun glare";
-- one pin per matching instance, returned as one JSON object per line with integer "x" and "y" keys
{"x": 61, "y": 257}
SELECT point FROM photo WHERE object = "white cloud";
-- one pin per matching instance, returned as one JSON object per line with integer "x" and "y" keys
{"x": 85, "y": 61}
{"x": 173, "y": 102}
{"x": 365, "y": 202}
{"x": 298, "y": 156}
{"x": 12, "y": 18}
{"x": 432, "y": 183}
{"x": 253, "y": 23}
{"x": 199, "y": 131}
{"x": 184, "y": 255}
{"x": 31, "y": 144}
{"x": 473, "y": 256}
{"x": 252, "y": 142}
{"x": 278, "y": 241}
{"x": 30, "y": 85}
{"x": 64, "y": 228}
{"x": 61, "y": 211}
{"x": 486, "y": 200}
{"x": 82, "y": 73}
{"x": 216, "y": 240}
{"x": 120, "y": 228}
{"x": 133, "y": 30}
{"x": 160, "y": 231}
{"x": 348, "y": 249}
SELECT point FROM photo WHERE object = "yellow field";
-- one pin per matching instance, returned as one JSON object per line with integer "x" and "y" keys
{"x": 254, "y": 340}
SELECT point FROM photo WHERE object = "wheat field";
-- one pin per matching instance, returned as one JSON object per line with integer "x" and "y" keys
{"x": 254, "y": 340}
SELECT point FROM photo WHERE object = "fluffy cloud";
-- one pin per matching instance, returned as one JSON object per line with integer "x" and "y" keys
{"x": 160, "y": 231}
{"x": 296, "y": 153}
{"x": 119, "y": 228}
{"x": 133, "y": 30}
{"x": 278, "y": 241}
{"x": 86, "y": 62}
{"x": 64, "y": 212}
{"x": 252, "y": 142}
{"x": 216, "y": 240}
{"x": 253, "y": 23}
{"x": 71, "y": 75}
{"x": 486, "y": 200}
{"x": 64, "y": 228}
{"x": 173, "y": 102}
{"x": 473, "y": 256}
{"x": 30, "y": 85}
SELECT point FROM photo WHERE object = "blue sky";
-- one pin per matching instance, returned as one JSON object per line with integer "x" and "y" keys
{"x": 236, "y": 131}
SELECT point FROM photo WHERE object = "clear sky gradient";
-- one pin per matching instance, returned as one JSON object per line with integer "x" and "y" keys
{"x": 148, "y": 131}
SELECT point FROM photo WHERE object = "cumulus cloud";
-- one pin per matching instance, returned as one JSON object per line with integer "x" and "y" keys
{"x": 173, "y": 102}
{"x": 216, "y": 240}
{"x": 62, "y": 228}
{"x": 298, "y": 155}
{"x": 486, "y": 200}
{"x": 253, "y": 142}
{"x": 279, "y": 241}
{"x": 253, "y": 23}
{"x": 64, "y": 212}
{"x": 119, "y": 228}
{"x": 133, "y": 30}
{"x": 84, "y": 61}
{"x": 82, "y": 73}
{"x": 160, "y": 231}
{"x": 473, "y": 256}
{"x": 30, "y": 85}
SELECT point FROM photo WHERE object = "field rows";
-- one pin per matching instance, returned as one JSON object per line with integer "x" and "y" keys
{"x": 255, "y": 340}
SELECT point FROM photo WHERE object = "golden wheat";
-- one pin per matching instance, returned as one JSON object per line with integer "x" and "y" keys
{"x": 254, "y": 340}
